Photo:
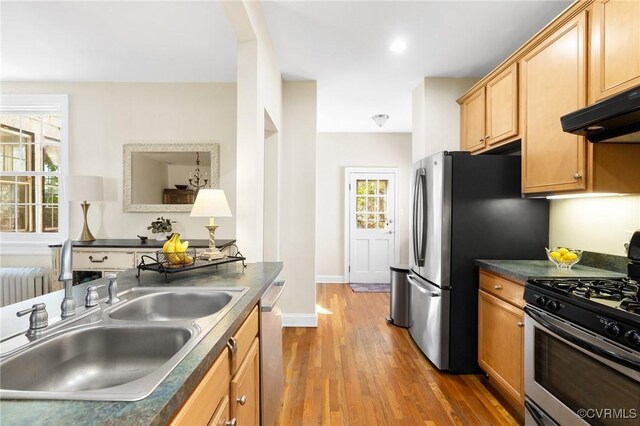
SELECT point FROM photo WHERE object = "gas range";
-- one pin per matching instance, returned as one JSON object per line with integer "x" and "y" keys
{"x": 607, "y": 306}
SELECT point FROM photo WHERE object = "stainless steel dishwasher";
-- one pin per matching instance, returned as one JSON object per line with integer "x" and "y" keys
{"x": 271, "y": 366}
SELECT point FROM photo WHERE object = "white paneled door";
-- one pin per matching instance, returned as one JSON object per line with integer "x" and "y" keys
{"x": 372, "y": 228}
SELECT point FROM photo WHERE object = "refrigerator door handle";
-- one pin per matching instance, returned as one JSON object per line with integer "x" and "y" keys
{"x": 425, "y": 216}
{"x": 415, "y": 217}
{"x": 419, "y": 229}
{"x": 421, "y": 289}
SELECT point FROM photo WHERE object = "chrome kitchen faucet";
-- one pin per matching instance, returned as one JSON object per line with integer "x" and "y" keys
{"x": 68, "y": 305}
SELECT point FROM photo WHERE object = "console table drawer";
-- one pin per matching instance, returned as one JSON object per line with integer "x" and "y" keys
{"x": 103, "y": 260}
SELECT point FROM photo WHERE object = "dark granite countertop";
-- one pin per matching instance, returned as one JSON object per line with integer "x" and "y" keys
{"x": 522, "y": 270}
{"x": 136, "y": 243}
{"x": 159, "y": 407}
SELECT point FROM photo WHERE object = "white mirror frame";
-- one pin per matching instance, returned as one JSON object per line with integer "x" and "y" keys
{"x": 212, "y": 147}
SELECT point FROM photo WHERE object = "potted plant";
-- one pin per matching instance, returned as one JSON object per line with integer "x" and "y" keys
{"x": 161, "y": 227}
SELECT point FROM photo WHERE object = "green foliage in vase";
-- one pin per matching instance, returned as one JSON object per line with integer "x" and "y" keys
{"x": 161, "y": 225}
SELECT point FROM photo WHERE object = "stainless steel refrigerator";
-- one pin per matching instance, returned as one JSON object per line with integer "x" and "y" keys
{"x": 465, "y": 207}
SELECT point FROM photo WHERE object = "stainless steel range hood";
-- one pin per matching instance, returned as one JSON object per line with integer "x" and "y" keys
{"x": 612, "y": 120}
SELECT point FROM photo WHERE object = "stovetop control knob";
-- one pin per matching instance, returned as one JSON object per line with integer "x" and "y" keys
{"x": 633, "y": 336}
{"x": 612, "y": 328}
{"x": 541, "y": 300}
{"x": 553, "y": 305}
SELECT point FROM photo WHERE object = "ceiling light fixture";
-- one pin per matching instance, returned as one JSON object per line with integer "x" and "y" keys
{"x": 398, "y": 46}
{"x": 380, "y": 119}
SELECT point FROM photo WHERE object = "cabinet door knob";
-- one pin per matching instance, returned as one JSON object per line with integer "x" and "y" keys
{"x": 577, "y": 176}
{"x": 231, "y": 422}
{"x": 241, "y": 399}
{"x": 487, "y": 137}
{"x": 497, "y": 287}
{"x": 481, "y": 140}
{"x": 520, "y": 324}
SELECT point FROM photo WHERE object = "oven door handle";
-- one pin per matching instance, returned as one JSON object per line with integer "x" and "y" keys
{"x": 611, "y": 356}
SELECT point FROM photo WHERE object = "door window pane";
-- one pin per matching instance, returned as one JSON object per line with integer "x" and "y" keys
{"x": 360, "y": 221}
{"x": 371, "y": 221}
{"x": 372, "y": 187}
{"x": 383, "y": 187}
{"x": 360, "y": 204}
{"x": 361, "y": 187}
{"x": 382, "y": 204}
{"x": 371, "y": 204}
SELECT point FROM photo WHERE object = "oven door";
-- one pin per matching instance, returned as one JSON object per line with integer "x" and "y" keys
{"x": 576, "y": 377}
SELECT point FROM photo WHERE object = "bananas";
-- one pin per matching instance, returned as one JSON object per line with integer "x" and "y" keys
{"x": 175, "y": 251}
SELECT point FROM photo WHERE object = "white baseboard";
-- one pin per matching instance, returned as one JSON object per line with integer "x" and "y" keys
{"x": 330, "y": 279}
{"x": 299, "y": 320}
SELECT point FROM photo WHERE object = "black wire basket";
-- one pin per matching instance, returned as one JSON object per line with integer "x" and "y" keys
{"x": 176, "y": 260}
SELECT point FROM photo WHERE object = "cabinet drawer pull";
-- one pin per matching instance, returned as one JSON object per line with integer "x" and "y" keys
{"x": 520, "y": 324}
{"x": 98, "y": 261}
{"x": 231, "y": 422}
{"x": 497, "y": 287}
{"x": 241, "y": 399}
{"x": 233, "y": 347}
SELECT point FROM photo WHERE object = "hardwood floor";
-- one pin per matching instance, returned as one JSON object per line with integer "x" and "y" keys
{"x": 355, "y": 369}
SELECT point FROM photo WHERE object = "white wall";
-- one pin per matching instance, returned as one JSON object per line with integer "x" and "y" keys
{"x": 335, "y": 152}
{"x": 436, "y": 115}
{"x": 594, "y": 224}
{"x": 259, "y": 90}
{"x": 105, "y": 116}
{"x": 297, "y": 199}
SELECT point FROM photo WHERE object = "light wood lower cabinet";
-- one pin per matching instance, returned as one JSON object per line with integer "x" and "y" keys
{"x": 500, "y": 337}
{"x": 229, "y": 394}
{"x": 245, "y": 389}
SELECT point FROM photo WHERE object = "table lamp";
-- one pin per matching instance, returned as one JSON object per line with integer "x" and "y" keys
{"x": 211, "y": 203}
{"x": 83, "y": 188}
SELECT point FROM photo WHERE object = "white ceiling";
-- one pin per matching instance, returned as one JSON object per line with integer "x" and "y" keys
{"x": 341, "y": 44}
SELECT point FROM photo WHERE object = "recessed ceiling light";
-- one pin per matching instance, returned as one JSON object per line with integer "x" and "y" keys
{"x": 398, "y": 46}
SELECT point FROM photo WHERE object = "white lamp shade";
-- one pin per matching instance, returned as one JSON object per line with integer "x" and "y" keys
{"x": 211, "y": 203}
{"x": 85, "y": 188}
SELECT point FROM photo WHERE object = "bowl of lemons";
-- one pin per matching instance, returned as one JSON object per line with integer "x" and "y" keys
{"x": 564, "y": 257}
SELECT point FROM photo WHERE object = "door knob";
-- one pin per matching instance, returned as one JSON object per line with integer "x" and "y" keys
{"x": 389, "y": 232}
{"x": 241, "y": 399}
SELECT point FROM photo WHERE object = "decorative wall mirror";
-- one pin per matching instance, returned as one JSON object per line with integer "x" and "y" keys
{"x": 166, "y": 177}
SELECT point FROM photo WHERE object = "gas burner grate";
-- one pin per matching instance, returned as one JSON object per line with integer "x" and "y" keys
{"x": 630, "y": 305}
{"x": 595, "y": 288}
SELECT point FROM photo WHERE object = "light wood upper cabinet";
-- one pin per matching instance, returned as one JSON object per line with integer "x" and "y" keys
{"x": 489, "y": 115}
{"x": 472, "y": 122}
{"x": 502, "y": 106}
{"x": 553, "y": 83}
{"x": 615, "y": 47}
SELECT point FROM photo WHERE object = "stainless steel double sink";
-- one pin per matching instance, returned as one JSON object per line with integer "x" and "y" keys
{"x": 116, "y": 353}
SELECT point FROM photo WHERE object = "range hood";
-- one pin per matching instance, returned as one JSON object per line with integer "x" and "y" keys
{"x": 612, "y": 120}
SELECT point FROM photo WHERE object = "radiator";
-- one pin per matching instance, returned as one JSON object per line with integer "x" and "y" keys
{"x": 18, "y": 284}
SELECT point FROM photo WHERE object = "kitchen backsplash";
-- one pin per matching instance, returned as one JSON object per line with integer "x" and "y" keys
{"x": 598, "y": 225}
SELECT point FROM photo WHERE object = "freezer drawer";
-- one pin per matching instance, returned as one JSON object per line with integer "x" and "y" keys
{"x": 430, "y": 320}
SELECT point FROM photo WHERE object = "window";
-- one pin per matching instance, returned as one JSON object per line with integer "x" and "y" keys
{"x": 371, "y": 203}
{"x": 33, "y": 157}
